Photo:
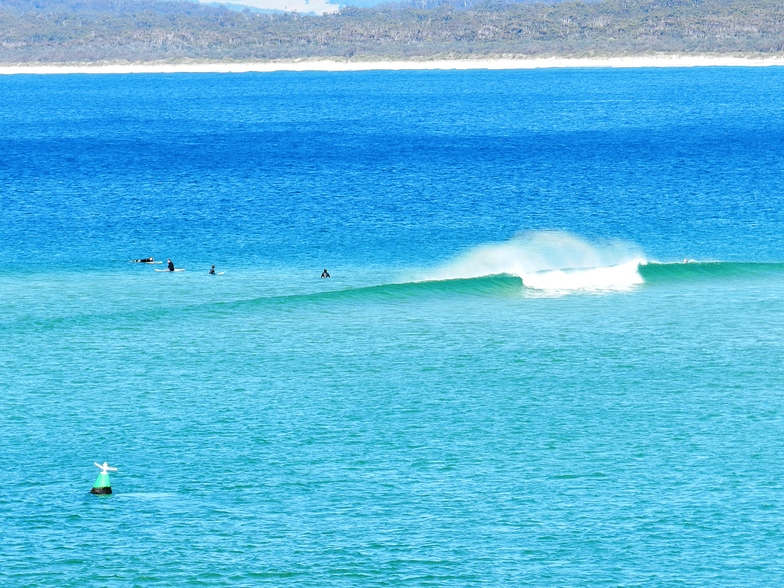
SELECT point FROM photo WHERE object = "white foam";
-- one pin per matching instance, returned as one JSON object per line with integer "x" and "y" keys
{"x": 617, "y": 277}
{"x": 552, "y": 261}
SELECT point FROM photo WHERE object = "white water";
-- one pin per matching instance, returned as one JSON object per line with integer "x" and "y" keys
{"x": 552, "y": 261}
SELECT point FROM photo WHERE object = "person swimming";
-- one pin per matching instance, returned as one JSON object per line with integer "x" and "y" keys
{"x": 325, "y": 273}
{"x": 212, "y": 270}
{"x": 145, "y": 260}
{"x": 170, "y": 265}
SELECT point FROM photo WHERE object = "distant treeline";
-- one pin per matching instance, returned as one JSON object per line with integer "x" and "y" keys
{"x": 47, "y": 31}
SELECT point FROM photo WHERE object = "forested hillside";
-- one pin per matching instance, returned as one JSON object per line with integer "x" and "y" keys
{"x": 49, "y": 31}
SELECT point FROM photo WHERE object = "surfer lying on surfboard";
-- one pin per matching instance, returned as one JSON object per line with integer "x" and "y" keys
{"x": 145, "y": 260}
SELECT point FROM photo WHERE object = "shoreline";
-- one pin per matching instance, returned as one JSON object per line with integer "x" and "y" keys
{"x": 468, "y": 63}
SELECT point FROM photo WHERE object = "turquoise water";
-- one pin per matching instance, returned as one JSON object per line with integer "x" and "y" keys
{"x": 511, "y": 379}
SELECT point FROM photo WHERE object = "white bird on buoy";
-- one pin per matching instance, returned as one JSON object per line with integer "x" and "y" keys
{"x": 104, "y": 468}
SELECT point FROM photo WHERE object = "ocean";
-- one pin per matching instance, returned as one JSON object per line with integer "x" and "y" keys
{"x": 549, "y": 352}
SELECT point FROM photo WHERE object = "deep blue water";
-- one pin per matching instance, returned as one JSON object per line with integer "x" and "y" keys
{"x": 511, "y": 379}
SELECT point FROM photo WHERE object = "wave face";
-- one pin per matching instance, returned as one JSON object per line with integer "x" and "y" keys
{"x": 497, "y": 285}
{"x": 486, "y": 286}
{"x": 657, "y": 273}
{"x": 552, "y": 262}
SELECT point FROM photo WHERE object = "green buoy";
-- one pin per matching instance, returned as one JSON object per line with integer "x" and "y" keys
{"x": 102, "y": 483}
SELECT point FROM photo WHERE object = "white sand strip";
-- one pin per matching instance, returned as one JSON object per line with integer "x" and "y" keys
{"x": 459, "y": 64}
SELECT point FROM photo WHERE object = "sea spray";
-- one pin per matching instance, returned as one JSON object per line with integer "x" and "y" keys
{"x": 552, "y": 261}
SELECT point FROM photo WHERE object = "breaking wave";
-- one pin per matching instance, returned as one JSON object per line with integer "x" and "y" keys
{"x": 545, "y": 263}
{"x": 551, "y": 261}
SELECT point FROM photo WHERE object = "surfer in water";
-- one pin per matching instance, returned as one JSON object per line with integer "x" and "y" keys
{"x": 170, "y": 265}
{"x": 145, "y": 260}
{"x": 212, "y": 270}
{"x": 325, "y": 273}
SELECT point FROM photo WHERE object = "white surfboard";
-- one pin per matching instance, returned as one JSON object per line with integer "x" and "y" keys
{"x": 179, "y": 269}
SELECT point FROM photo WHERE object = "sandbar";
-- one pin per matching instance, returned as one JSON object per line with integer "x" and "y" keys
{"x": 501, "y": 63}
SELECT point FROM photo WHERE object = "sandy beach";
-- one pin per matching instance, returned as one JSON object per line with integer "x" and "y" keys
{"x": 456, "y": 64}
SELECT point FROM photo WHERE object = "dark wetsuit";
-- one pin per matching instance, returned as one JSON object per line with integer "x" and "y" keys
{"x": 145, "y": 260}
{"x": 171, "y": 265}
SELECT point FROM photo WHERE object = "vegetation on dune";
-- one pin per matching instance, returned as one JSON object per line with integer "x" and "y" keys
{"x": 60, "y": 31}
